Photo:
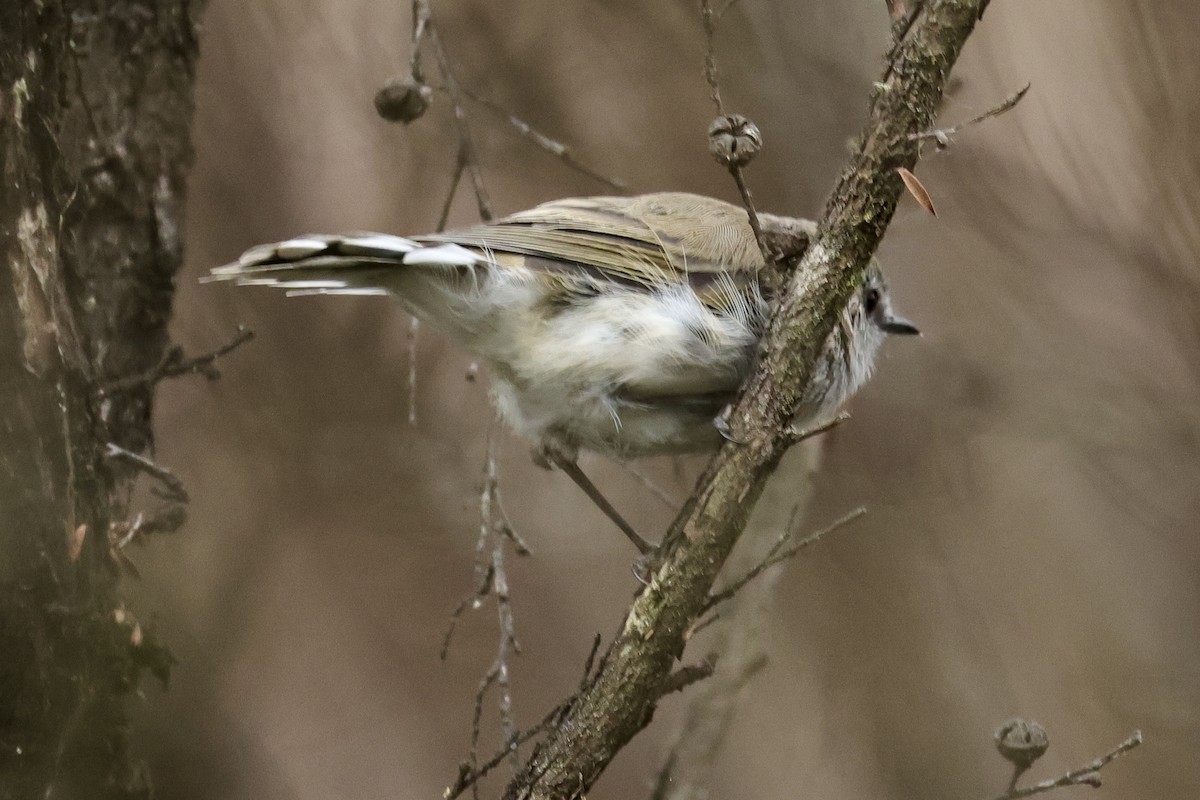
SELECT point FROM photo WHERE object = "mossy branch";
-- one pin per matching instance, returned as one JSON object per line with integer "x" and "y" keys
{"x": 621, "y": 698}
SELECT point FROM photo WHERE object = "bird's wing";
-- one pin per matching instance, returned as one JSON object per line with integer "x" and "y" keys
{"x": 646, "y": 240}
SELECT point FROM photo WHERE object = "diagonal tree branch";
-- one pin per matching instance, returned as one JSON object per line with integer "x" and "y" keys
{"x": 622, "y": 698}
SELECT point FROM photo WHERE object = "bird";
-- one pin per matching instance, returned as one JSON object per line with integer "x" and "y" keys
{"x": 617, "y": 325}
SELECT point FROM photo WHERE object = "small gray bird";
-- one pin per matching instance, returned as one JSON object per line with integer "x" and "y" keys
{"x": 621, "y": 325}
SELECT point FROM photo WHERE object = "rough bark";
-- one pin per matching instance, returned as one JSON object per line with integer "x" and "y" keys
{"x": 741, "y": 639}
{"x": 621, "y": 698}
{"x": 95, "y": 106}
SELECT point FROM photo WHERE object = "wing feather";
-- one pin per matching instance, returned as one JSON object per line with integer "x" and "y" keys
{"x": 647, "y": 239}
{"x": 650, "y": 241}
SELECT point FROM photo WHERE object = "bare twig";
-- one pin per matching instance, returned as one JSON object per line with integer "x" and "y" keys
{"x": 1087, "y": 775}
{"x": 494, "y": 526}
{"x": 778, "y": 554}
{"x": 700, "y": 624}
{"x": 173, "y": 488}
{"x": 174, "y": 364}
{"x": 466, "y": 159}
{"x": 507, "y": 645}
{"x": 167, "y": 519}
{"x": 590, "y": 662}
{"x": 460, "y": 163}
{"x": 943, "y": 135}
{"x": 541, "y": 140}
{"x": 472, "y": 602}
{"x": 468, "y": 776}
{"x": 466, "y": 142}
{"x": 710, "y": 55}
{"x": 414, "y": 330}
{"x": 793, "y": 436}
{"x": 420, "y": 26}
{"x": 491, "y": 579}
{"x": 748, "y": 201}
{"x": 735, "y": 169}
{"x": 684, "y": 677}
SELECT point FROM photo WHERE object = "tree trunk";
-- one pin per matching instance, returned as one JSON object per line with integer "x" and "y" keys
{"x": 95, "y": 106}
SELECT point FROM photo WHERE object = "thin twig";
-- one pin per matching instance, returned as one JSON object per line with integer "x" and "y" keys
{"x": 777, "y": 555}
{"x": 491, "y": 579}
{"x": 714, "y": 87}
{"x": 167, "y": 519}
{"x": 471, "y": 602}
{"x": 468, "y": 776}
{"x": 710, "y": 55}
{"x": 472, "y": 762}
{"x": 174, "y": 364}
{"x": 172, "y": 486}
{"x": 466, "y": 143}
{"x": 590, "y": 662}
{"x": 684, "y": 677}
{"x": 420, "y": 25}
{"x": 943, "y": 135}
{"x": 414, "y": 329}
{"x": 541, "y": 140}
{"x": 700, "y": 624}
{"x": 508, "y": 644}
{"x": 460, "y": 164}
{"x": 739, "y": 178}
{"x": 1087, "y": 775}
{"x": 793, "y": 435}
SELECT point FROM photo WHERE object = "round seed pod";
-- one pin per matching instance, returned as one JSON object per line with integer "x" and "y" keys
{"x": 733, "y": 140}
{"x": 1021, "y": 742}
{"x": 403, "y": 99}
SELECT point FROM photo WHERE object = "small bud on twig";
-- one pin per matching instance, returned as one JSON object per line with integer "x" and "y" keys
{"x": 733, "y": 140}
{"x": 403, "y": 99}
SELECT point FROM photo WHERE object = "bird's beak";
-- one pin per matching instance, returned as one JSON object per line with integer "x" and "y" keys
{"x": 894, "y": 324}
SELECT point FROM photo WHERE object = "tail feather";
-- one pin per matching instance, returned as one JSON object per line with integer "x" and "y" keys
{"x": 347, "y": 264}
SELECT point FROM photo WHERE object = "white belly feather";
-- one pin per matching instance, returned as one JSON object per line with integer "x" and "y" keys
{"x": 617, "y": 373}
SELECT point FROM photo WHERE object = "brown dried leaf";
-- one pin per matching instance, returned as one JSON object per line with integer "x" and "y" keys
{"x": 75, "y": 543}
{"x": 917, "y": 190}
{"x": 136, "y": 636}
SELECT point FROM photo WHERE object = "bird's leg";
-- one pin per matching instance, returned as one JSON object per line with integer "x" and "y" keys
{"x": 547, "y": 455}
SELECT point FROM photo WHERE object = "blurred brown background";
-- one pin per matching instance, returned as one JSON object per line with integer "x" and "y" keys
{"x": 1031, "y": 465}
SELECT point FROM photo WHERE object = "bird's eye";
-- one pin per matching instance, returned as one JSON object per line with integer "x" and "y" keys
{"x": 871, "y": 300}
